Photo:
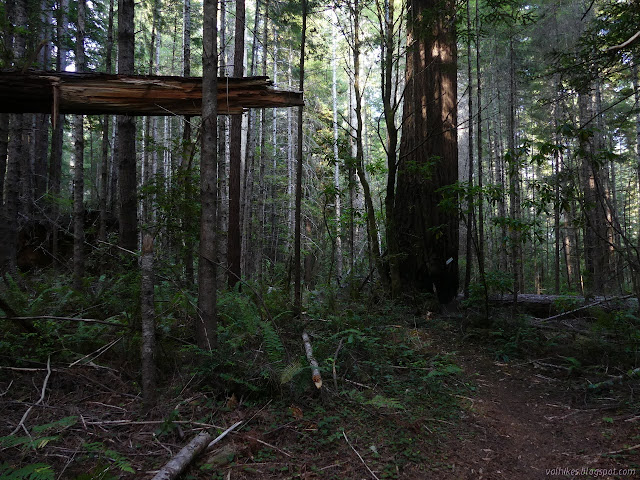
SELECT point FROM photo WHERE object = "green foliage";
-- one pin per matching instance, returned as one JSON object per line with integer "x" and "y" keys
{"x": 99, "y": 453}
{"x": 40, "y": 436}
{"x": 35, "y": 471}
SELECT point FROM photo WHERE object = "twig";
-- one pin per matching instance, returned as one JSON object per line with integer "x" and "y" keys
{"x": 40, "y": 400}
{"x": 223, "y": 434}
{"x": 7, "y": 390}
{"x": 358, "y": 384}
{"x": 359, "y": 456}
{"x": 99, "y": 352}
{"x": 613, "y": 380}
{"x": 118, "y": 247}
{"x": 333, "y": 368}
{"x": 635, "y": 447}
{"x": 269, "y": 445}
{"x": 65, "y": 319}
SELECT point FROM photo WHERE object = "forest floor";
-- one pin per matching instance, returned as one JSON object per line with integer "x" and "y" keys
{"x": 481, "y": 417}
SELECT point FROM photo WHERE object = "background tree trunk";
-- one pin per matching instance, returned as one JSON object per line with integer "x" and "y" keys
{"x": 297, "y": 302}
{"x": 147, "y": 310}
{"x": 207, "y": 282}
{"x": 126, "y": 136}
{"x": 106, "y": 124}
{"x": 234, "y": 241}
{"x": 78, "y": 169}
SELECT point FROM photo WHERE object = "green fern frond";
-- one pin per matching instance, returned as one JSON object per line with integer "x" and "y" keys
{"x": 273, "y": 344}
{"x": 61, "y": 424}
{"x": 290, "y": 371}
{"x": 35, "y": 471}
{"x": 385, "y": 402}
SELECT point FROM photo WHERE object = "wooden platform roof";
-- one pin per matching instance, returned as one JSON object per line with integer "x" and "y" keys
{"x": 100, "y": 93}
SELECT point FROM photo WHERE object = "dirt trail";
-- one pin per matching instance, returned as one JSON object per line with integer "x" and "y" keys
{"x": 525, "y": 422}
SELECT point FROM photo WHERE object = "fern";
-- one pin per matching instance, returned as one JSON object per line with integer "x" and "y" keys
{"x": 385, "y": 402}
{"x": 62, "y": 423}
{"x": 290, "y": 371}
{"x": 35, "y": 471}
{"x": 118, "y": 461}
{"x": 273, "y": 344}
{"x": 34, "y": 443}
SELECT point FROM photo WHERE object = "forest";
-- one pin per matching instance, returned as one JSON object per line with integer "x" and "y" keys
{"x": 303, "y": 239}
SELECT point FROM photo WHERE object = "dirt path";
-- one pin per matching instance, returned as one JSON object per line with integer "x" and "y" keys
{"x": 524, "y": 422}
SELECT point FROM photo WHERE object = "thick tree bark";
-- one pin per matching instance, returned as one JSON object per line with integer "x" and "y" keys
{"x": 429, "y": 154}
{"x": 234, "y": 241}
{"x": 126, "y": 137}
{"x": 207, "y": 282}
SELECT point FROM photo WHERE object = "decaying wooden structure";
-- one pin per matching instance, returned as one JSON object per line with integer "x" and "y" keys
{"x": 100, "y": 93}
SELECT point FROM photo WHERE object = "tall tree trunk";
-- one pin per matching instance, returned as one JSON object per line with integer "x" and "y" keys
{"x": 389, "y": 84}
{"x": 556, "y": 207}
{"x": 251, "y": 141}
{"x": 372, "y": 227}
{"x": 223, "y": 130}
{"x": 336, "y": 157}
{"x": 636, "y": 88}
{"x": 18, "y": 17}
{"x": 470, "y": 202}
{"x": 234, "y": 242}
{"x": 126, "y": 137}
{"x": 55, "y": 158}
{"x": 513, "y": 164}
{"x": 480, "y": 236}
{"x": 297, "y": 302}
{"x": 78, "y": 168}
{"x": 207, "y": 282}
{"x": 429, "y": 153}
{"x": 187, "y": 151}
{"x": 595, "y": 248}
{"x": 263, "y": 157}
{"x": 104, "y": 165}
{"x": 4, "y": 144}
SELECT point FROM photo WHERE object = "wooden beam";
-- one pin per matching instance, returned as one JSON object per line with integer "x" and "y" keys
{"x": 100, "y": 93}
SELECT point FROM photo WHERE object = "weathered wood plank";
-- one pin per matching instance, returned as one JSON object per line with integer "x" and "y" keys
{"x": 98, "y": 93}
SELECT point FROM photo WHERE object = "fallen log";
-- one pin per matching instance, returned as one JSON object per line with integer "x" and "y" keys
{"x": 101, "y": 93}
{"x": 550, "y": 307}
{"x": 189, "y": 452}
{"x": 315, "y": 368}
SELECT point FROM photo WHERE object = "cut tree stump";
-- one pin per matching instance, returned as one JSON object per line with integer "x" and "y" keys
{"x": 101, "y": 93}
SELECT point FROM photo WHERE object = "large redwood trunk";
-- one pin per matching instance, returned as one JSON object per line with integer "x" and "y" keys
{"x": 428, "y": 229}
